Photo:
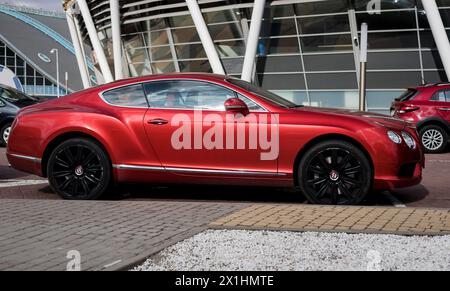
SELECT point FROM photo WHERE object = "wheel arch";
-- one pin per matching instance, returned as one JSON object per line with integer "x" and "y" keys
{"x": 434, "y": 121}
{"x": 64, "y": 137}
{"x": 328, "y": 137}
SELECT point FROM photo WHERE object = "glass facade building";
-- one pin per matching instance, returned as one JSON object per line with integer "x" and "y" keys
{"x": 307, "y": 50}
{"x": 33, "y": 82}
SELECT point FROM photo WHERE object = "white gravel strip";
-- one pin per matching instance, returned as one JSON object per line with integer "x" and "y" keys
{"x": 240, "y": 250}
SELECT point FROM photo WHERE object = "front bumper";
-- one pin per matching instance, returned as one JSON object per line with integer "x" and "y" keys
{"x": 395, "y": 181}
{"x": 398, "y": 166}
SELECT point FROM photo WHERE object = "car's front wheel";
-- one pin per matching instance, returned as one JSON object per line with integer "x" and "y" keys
{"x": 434, "y": 139}
{"x": 4, "y": 134}
{"x": 79, "y": 169}
{"x": 336, "y": 173}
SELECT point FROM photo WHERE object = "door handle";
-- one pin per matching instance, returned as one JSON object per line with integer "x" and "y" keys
{"x": 158, "y": 121}
{"x": 444, "y": 109}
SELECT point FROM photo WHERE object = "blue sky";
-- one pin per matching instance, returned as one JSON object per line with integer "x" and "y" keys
{"x": 52, "y": 5}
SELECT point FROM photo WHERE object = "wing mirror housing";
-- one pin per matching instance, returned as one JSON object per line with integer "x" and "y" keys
{"x": 236, "y": 105}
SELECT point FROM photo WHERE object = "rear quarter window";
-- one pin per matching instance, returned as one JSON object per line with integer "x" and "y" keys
{"x": 407, "y": 95}
{"x": 129, "y": 96}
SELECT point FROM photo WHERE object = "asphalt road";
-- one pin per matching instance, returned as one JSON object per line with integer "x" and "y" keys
{"x": 433, "y": 192}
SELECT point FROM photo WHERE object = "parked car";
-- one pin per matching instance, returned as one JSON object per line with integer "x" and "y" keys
{"x": 11, "y": 101}
{"x": 428, "y": 107}
{"x": 129, "y": 131}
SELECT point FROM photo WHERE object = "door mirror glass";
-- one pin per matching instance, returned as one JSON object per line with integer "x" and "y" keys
{"x": 236, "y": 105}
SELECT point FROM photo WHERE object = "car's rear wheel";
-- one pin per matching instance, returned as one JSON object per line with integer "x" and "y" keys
{"x": 4, "y": 134}
{"x": 79, "y": 169}
{"x": 335, "y": 173}
{"x": 434, "y": 139}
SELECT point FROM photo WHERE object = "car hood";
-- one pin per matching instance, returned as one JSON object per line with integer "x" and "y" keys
{"x": 360, "y": 116}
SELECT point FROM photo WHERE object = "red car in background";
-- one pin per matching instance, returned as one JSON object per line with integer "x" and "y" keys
{"x": 129, "y": 131}
{"x": 428, "y": 107}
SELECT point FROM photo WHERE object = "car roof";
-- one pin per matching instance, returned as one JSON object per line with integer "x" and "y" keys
{"x": 434, "y": 85}
{"x": 206, "y": 76}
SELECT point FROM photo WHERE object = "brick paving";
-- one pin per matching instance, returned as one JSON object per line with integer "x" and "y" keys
{"x": 380, "y": 220}
{"x": 37, "y": 234}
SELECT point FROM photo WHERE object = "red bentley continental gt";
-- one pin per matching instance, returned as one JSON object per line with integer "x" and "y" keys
{"x": 210, "y": 129}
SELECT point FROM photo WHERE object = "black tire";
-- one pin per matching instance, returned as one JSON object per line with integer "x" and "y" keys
{"x": 79, "y": 169}
{"x": 434, "y": 139}
{"x": 335, "y": 173}
{"x": 3, "y": 133}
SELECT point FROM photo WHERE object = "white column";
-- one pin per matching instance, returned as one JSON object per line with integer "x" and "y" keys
{"x": 205, "y": 37}
{"x": 93, "y": 36}
{"x": 116, "y": 38}
{"x": 439, "y": 33}
{"x": 253, "y": 39}
{"x": 78, "y": 50}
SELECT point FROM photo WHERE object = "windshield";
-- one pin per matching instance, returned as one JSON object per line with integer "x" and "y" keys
{"x": 15, "y": 97}
{"x": 408, "y": 95}
{"x": 264, "y": 94}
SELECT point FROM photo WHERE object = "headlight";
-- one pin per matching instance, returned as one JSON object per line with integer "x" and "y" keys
{"x": 394, "y": 137}
{"x": 409, "y": 140}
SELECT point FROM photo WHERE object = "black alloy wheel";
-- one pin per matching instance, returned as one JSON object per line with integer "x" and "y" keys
{"x": 335, "y": 173}
{"x": 79, "y": 169}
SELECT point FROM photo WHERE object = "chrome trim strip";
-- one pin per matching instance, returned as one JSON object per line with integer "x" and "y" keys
{"x": 225, "y": 172}
{"x": 197, "y": 171}
{"x": 143, "y": 168}
{"x": 29, "y": 158}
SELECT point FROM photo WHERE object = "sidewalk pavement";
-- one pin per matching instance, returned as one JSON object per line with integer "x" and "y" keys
{"x": 349, "y": 219}
{"x": 38, "y": 234}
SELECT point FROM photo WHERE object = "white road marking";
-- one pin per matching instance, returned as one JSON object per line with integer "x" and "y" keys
{"x": 394, "y": 200}
{"x": 438, "y": 161}
{"x": 17, "y": 183}
{"x": 112, "y": 264}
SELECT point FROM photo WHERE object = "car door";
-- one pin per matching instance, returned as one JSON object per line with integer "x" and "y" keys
{"x": 442, "y": 104}
{"x": 191, "y": 132}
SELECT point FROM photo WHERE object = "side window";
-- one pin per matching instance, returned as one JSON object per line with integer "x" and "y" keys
{"x": 130, "y": 96}
{"x": 441, "y": 96}
{"x": 187, "y": 95}
{"x": 252, "y": 106}
{"x": 447, "y": 95}
{"x": 7, "y": 95}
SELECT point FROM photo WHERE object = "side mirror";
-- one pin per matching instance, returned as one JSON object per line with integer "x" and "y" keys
{"x": 2, "y": 104}
{"x": 236, "y": 105}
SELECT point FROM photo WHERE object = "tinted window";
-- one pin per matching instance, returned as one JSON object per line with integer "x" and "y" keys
{"x": 187, "y": 95}
{"x": 266, "y": 95}
{"x": 441, "y": 96}
{"x": 132, "y": 96}
{"x": 252, "y": 106}
{"x": 14, "y": 97}
{"x": 408, "y": 95}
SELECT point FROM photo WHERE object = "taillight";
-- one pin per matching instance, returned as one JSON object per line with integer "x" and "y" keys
{"x": 407, "y": 108}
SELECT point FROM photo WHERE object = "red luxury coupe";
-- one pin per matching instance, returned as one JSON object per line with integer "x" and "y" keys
{"x": 210, "y": 129}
